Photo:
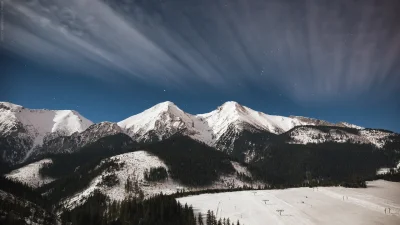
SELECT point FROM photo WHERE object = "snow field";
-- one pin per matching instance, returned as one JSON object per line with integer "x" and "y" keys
{"x": 323, "y": 205}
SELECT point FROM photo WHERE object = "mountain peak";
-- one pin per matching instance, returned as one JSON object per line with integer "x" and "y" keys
{"x": 232, "y": 106}
{"x": 34, "y": 126}
{"x": 163, "y": 118}
{"x": 165, "y": 106}
{"x": 230, "y": 103}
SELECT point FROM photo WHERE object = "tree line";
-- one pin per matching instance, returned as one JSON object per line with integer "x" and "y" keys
{"x": 157, "y": 210}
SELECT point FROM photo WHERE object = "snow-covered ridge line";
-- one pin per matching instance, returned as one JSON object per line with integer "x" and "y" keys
{"x": 165, "y": 119}
{"x": 40, "y": 122}
{"x": 26, "y": 129}
{"x": 306, "y": 134}
{"x": 29, "y": 128}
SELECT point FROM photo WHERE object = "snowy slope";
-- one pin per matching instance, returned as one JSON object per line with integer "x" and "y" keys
{"x": 307, "y": 206}
{"x": 29, "y": 174}
{"x": 166, "y": 113}
{"x": 234, "y": 113}
{"x": 162, "y": 121}
{"x": 376, "y": 137}
{"x": 41, "y": 122}
{"x": 33, "y": 126}
{"x": 345, "y": 124}
{"x": 318, "y": 122}
{"x": 133, "y": 166}
{"x": 305, "y": 135}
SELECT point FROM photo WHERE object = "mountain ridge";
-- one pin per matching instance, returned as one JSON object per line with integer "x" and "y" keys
{"x": 30, "y": 132}
{"x": 28, "y": 128}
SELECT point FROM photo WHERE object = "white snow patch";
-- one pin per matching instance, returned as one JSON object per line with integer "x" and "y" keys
{"x": 387, "y": 170}
{"x": 29, "y": 174}
{"x": 376, "y": 137}
{"x": 383, "y": 171}
{"x": 351, "y": 125}
{"x": 241, "y": 169}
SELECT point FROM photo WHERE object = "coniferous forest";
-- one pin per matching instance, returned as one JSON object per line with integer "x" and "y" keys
{"x": 97, "y": 210}
{"x": 158, "y": 210}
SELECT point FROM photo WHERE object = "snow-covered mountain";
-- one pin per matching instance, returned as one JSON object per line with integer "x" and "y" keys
{"x": 162, "y": 121}
{"x": 22, "y": 129}
{"x": 232, "y": 113}
{"x": 232, "y": 128}
{"x": 166, "y": 119}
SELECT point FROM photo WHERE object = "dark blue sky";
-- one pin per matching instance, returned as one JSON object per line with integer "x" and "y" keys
{"x": 111, "y": 59}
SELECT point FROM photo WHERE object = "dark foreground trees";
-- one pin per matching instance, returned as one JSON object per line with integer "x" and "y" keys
{"x": 158, "y": 210}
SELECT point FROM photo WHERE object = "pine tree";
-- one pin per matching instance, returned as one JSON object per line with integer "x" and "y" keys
{"x": 200, "y": 219}
{"x": 209, "y": 218}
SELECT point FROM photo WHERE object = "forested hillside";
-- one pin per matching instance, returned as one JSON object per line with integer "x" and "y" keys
{"x": 326, "y": 163}
{"x": 191, "y": 162}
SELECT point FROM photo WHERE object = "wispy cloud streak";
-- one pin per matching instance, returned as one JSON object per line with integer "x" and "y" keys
{"x": 309, "y": 49}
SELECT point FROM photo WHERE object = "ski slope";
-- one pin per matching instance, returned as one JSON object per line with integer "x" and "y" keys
{"x": 323, "y": 205}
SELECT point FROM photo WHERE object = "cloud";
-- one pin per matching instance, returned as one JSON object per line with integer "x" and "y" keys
{"x": 308, "y": 49}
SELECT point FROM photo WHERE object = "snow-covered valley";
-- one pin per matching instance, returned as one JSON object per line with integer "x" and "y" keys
{"x": 377, "y": 204}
